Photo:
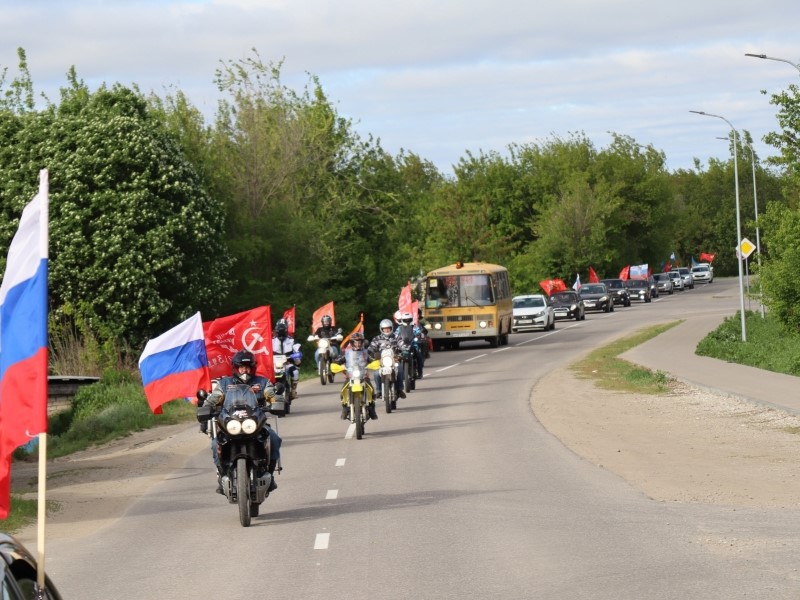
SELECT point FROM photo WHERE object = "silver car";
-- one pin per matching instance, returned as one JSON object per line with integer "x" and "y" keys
{"x": 677, "y": 281}
{"x": 688, "y": 278}
{"x": 663, "y": 283}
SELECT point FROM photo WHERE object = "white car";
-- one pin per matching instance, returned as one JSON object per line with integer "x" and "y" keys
{"x": 532, "y": 311}
{"x": 677, "y": 280}
{"x": 688, "y": 279}
{"x": 703, "y": 273}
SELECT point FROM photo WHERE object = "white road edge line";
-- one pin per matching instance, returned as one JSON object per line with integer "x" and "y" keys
{"x": 474, "y": 358}
{"x": 332, "y": 495}
{"x": 340, "y": 462}
{"x": 350, "y": 431}
{"x": 321, "y": 541}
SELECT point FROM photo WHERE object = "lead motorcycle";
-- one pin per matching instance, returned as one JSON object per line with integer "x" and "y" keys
{"x": 240, "y": 429}
{"x": 326, "y": 356}
{"x": 356, "y": 391}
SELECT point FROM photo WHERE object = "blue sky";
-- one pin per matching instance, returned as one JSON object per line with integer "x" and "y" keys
{"x": 445, "y": 78}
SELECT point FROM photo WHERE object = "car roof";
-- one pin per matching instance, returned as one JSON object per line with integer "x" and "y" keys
{"x": 529, "y": 296}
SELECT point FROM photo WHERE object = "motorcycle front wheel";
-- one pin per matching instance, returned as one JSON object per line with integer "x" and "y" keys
{"x": 323, "y": 370}
{"x": 386, "y": 392}
{"x": 356, "y": 402}
{"x": 243, "y": 491}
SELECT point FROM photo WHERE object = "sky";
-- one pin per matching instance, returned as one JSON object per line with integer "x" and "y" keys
{"x": 444, "y": 78}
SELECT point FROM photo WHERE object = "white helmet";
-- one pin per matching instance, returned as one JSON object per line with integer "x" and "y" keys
{"x": 386, "y": 324}
{"x": 406, "y": 318}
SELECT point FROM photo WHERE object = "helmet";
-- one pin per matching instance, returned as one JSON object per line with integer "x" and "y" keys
{"x": 327, "y": 321}
{"x": 397, "y": 316}
{"x": 357, "y": 340}
{"x": 281, "y": 329}
{"x": 406, "y": 318}
{"x": 243, "y": 358}
{"x": 384, "y": 325}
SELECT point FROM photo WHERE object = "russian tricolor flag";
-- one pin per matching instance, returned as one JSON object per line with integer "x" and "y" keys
{"x": 175, "y": 364}
{"x": 23, "y": 337}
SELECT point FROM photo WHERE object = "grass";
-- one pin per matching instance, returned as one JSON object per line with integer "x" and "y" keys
{"x": 613, "y": 373}
{"x": 769, "y": 346}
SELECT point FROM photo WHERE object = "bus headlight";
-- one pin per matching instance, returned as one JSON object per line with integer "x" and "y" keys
{"x": 437, "y": 325}
{"x": 482, "y": 324}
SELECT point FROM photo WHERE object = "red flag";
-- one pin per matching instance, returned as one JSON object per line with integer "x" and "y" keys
{"x": 415, "y": 311}
{"x": 404, "y": 302}
{"x": 625, "y": 272}
{"x": 705, "y": 257}
{"x": 550, "y": 286}
{"x": 249, "y": 330}
{"x": 359, "y": 327}
{"x": 23, "y": 337}
{"x": 288, "y": 316}
{"x": 667, "y": 267}
{"x": 593, "y": 278}
{"x": 316, "y": 318}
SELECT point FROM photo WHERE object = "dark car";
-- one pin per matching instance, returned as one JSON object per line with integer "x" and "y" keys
{"x": 618, "y": 291}
{"x": 596, "y": 296}
{"x": 639, "y": 289}
{"x": 19, "y": 572}
{"x": 568, "y": 305}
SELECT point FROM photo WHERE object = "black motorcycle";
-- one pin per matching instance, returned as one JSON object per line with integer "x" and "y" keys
{"x": 243, "y": 446}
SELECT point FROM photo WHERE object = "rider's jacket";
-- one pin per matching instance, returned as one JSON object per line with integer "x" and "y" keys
{"x": 383, "y": 341}
{"x": 264, "y": 395}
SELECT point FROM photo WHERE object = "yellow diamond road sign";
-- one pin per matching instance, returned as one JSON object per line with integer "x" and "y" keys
{"x": 746, "y": 248}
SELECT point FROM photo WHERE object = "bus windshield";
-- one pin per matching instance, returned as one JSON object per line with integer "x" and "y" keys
{"x": 459, "y": 290}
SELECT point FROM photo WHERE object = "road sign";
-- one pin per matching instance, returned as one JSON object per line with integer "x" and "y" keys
{"x": 746, "y": 248}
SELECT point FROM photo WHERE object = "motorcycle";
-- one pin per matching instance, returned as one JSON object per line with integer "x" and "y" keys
{"x": 283, "y": 383}
{"x": 357, "y": 390}
{"x": 240, "y": 429}
{"x": 325, "y": 356}
{"x": 388, "y": 371}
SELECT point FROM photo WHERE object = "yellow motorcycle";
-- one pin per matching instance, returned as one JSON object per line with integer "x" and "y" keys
{"x": 357, "y": 393}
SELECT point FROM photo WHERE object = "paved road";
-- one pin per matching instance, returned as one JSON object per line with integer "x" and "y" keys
{"x": 459, "y": 494}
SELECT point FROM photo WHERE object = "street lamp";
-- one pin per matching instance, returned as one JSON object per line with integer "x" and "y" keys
{"x": 758, "y": 236}
{"x": 738, "y": 220}
{"x": 795, "y": 65}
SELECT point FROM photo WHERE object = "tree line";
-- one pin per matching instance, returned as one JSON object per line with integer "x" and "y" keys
{"x": 157, "y": 212}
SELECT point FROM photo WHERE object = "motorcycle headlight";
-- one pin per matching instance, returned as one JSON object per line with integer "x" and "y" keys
{"x": 234, "y": 427}
{"x": 324, "y": 343}
{"x": 387, "y": 361}
{"x": 356, "y": 373}
{"x": 249, "y": 426}
{"x": 482, "y": 324}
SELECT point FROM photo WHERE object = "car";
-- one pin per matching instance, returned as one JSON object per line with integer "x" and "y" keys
{"x": 703, "y": 273}
{"x": 18, "y": 580}
{"x": 618, "y": 291}
{"x": 596, "y": 296}
{"x": 653, "y": 287}
{"x": 677, "y": 281}
{"x": 568, "y": 305}
{"x": 639, "y": 289}
{"x": 664, "y": 283}
{"x": 532, "y": 311}
{"x": 688, "y": 278}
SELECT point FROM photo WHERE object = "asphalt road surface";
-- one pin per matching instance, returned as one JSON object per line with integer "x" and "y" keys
{"x": 460, "y": 493}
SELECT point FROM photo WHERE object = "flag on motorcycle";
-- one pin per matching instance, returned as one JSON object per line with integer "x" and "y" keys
{"x": 625, "y": 272}
{"x": 404, "y": 301}
{"x": 248, "y": 330}
{"x": 550, "y": 286}
{"x": 288, "y": 316}
{"x": 359, "y": 328}
{"x": 316, "y": 318}
{"x": 174, "y": 364}
{"x": 705, "y": 257}
{"x": 577, "y": 285}
{"x": 23, "y": 337}
{"x": 415, "y": 311}
{"x": 593, "y": 278}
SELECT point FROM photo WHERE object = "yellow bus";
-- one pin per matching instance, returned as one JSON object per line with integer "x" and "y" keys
{"x": 468, "y": 301}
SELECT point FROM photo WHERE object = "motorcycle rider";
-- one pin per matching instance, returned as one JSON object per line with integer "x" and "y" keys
{"x": 326, "y": 330}
{"x": 243, "y": 366}
{"x": 407, "y": 331}
{"x": 354, "y": 354}
{"x": 385, "y": 339}
{"x": 283, "y": 343}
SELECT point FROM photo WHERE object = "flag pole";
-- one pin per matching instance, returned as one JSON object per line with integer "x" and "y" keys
{"x": 44, "y": 190}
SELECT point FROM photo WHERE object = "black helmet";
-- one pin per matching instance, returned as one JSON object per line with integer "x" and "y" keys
{"x": 327, "y": 321}
{"x": 359, "y": 338}
{"x": 243, "y": 358}
{"x": 281, "y": 329}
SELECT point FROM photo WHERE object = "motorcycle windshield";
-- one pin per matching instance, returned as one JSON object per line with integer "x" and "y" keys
{"x": 238, "y": 397}
{"x": 356, "y": 359}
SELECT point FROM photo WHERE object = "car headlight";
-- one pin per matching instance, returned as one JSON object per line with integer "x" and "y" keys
{"x": 604, "y": 299}
{"x": 437, "y": 325}
{"x": 249, "y": 426}
{"x": 482, "y": 324}
{"x": 234, "y": 427}
{"x": 573, "y": 307}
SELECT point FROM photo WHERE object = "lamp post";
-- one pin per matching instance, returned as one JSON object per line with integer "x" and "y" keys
{"x": 738, "y": 220}
{"x": 795, "y": 65}
{"x": 758, "y": 236}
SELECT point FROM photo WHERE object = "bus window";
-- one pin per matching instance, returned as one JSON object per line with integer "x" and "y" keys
{"x": 442, "y": 291}
{"x": 476, "y": 290}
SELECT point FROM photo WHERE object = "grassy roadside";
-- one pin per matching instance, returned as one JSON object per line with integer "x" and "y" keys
{"x": 613, "y": 373}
